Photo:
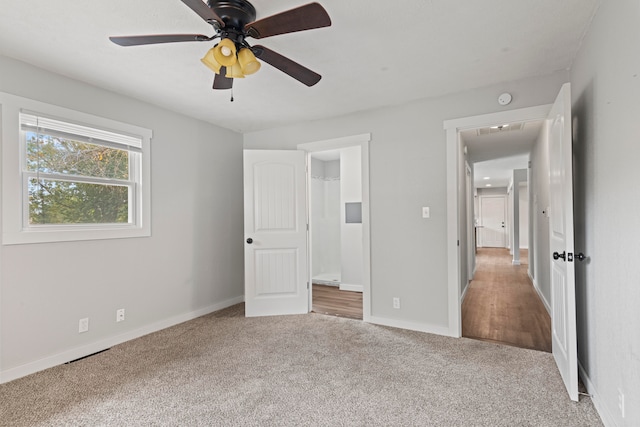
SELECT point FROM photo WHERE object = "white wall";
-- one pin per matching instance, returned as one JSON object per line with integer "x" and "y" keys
{"x": 408, "y": 171}
{"x": 351, "y": 234}
{"x": 606, "y": 105}
{"x": 192, "y": 263}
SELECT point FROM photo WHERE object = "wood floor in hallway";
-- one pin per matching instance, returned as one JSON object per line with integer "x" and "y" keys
{"x": 501, "y": 304}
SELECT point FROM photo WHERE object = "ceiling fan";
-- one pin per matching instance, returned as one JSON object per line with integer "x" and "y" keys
{"x": 234, "y": 21}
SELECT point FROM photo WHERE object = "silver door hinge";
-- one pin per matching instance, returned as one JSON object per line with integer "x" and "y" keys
{"x": 307, "y": 285}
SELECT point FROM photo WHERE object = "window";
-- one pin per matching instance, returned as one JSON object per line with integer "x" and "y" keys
{"x": 80, "y": 177}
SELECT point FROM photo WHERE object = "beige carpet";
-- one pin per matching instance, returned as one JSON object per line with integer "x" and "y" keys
{"x": 227, "y": 370}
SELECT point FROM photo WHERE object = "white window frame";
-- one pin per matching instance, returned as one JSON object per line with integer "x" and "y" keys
{"x": 15, "y": 226}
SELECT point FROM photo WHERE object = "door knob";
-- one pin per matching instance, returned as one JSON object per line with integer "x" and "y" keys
{"x": 556, "y": 255}
{"x": 249, "y": 240}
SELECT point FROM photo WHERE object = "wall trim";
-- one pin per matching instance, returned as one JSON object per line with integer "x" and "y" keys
{"x": 602, "y": 409}
{"x": 466, "y": 288}
{"x": 85, "y": 350}
{"x": 546, "y": 304}
{"x": 412, "y": 326}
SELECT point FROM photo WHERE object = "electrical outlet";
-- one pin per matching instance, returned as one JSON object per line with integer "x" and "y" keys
{"x": 621, "y": 402}
{"x": 120, "y": 315}
{"x": 396, "y": 302}
{"x": 83, "y": 325}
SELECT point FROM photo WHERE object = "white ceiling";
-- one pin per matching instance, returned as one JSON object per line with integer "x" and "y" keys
{"x": 376, "y": 53}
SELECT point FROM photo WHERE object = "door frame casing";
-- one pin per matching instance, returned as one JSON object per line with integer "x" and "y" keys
{"x": 361, "y": 141}
{"x": 455, "y": 196}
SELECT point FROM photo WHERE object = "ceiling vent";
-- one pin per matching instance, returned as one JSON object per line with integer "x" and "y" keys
{"x": 499, "y": 129}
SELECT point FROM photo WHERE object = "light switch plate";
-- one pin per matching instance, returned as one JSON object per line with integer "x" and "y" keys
{"x": 425, "y": 212}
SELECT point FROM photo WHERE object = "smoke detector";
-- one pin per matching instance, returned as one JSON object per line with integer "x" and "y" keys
{"x": 504, "y": 99}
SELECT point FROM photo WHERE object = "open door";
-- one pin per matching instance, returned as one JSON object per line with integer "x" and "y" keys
{"x": 563, "y": 291}
{"x": 275, "y": 229}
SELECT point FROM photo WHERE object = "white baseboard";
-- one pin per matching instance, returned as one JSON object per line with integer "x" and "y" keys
{"x": 420, "y": 327}
{"x": 103, "y": 344}
{"x": 546, "y": 304}
{"x": 352, "y": 288}
{"x": 464, "y": 293}
{"x": 598, "y": 403}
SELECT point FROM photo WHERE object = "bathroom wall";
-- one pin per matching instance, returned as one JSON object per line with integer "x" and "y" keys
{"x": 325, "y": 220}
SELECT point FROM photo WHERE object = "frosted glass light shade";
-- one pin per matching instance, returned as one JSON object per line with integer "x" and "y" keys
{"x": 225, "y": 53}
{"x": 248, "y": 61}
{"x": 235, "y": 72}
{"x": 210, "y": 61}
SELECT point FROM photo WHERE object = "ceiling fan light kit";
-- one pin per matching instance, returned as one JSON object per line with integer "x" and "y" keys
{"x": 248, "y": 62}
{"x": 209, "y": 60}
{"x": 234, "y": 21}
{"x": 234, "y": 72}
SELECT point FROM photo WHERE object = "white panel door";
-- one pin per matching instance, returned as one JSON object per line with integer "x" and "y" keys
{"x": 563, "y": 293}
{"x": 492, "y": 217}
{"x": 275, "y": 228}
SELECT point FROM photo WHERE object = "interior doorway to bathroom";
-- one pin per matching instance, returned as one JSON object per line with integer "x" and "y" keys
{"x": 336, "y": 239}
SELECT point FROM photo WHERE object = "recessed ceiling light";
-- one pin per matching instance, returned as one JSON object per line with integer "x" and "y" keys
{"x": 487, "y": 177}
{"x": 488, "y": 185}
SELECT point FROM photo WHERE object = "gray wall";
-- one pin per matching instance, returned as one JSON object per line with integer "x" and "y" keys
{"x": 408, "y": 171}
{"x": 540, "y": 272}
{"x": 193, "y": 262}
{"x": 606, "y": 105}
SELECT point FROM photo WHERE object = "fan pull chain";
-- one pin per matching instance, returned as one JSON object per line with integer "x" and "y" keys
{"x": 231, "y": 95}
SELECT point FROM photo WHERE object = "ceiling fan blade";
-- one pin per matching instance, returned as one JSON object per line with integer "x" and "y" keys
{"x": 222, "y": 82}
{"x": 301, "y": 18}
{"x": 286, "y": 65}
{"x": 204, "y": 11}
{"x": 158, "y": 38}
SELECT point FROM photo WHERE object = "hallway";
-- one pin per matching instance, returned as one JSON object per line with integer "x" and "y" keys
{"x": 502, "y": 306}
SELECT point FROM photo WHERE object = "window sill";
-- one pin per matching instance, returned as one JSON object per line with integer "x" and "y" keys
{"x": 72, "y": 234}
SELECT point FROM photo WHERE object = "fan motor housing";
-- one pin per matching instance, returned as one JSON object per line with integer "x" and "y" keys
{"x": 235, "y": 13}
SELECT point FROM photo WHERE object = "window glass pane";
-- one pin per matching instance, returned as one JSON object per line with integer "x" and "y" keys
{"x": 51, "y": 154}
{"x": 66, "y": 202}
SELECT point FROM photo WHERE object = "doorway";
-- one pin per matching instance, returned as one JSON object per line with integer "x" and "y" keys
{"x": 339, "y": 233}
{"x": 335, "y": 238}
{"x": 505, "y": 139}
{"x": 500, "y": 302}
